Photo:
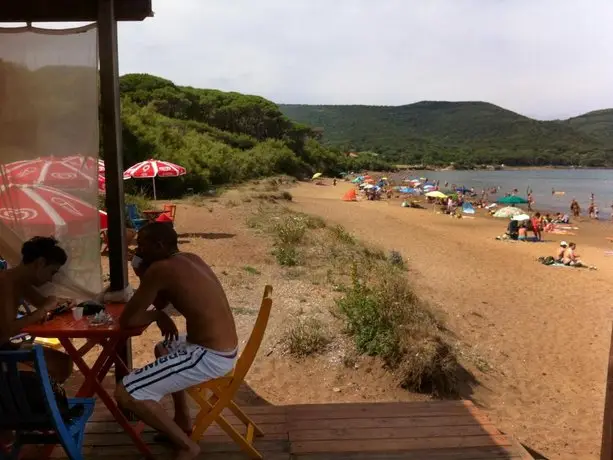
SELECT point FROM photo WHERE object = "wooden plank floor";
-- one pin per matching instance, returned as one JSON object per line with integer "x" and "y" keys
{"x": 433, "y": 430}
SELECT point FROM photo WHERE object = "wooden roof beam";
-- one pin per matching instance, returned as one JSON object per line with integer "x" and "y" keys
{"x": 70, "y": 10}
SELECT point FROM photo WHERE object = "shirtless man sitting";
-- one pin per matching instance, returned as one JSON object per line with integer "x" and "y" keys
{"x": 41, "y": 258}
{"x": 207, "y": 351}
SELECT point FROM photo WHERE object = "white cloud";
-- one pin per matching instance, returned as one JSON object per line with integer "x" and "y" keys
{"x": 543, "y": 58}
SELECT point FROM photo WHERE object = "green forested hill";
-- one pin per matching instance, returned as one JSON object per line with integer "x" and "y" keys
{"x": 597, "y": 124}
{"x": 466, "y": 133}
{"x": 220, "y": 137}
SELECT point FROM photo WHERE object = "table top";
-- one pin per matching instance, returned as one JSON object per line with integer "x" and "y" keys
{"x": 65, "y": 326}
{"x": 153, "y": 212}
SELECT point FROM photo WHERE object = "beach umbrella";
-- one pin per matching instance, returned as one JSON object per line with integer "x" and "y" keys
{"x": 50, "y": 171}
{"x": 41, "y": 210}
{"x": 436, "y": 194}
{"x": 512, "y": 199}
{"x": 151, "y": 169}
{"x": 101, "y": 184}
{"x": 508, "y": 212}
{"x": 521, "y": 217}
{"x": 316, "y": 175}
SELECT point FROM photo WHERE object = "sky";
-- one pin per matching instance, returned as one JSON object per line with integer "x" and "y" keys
{"x": 542, "y": 58}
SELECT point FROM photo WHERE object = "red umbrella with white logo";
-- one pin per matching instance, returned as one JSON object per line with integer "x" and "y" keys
{"x": 151, "y": 169}
{"x": 32, "y": 210}
{"x": 50, "y": 171}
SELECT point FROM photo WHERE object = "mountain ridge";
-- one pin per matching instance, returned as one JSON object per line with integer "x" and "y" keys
{"x": 465, "y": 132}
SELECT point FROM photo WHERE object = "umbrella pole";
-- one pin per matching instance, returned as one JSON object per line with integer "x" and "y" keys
{"x": 154, "y": 194}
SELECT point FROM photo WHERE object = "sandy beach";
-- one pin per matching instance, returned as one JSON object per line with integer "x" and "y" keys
{"x": 540, "y": 333}
{"x": 544, "y": 331}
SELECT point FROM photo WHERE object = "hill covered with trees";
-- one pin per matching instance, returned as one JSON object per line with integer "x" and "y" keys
{"x": 597, "y": 124}
{"x": 220, "y": 137}
{"x": 464, "y": 133}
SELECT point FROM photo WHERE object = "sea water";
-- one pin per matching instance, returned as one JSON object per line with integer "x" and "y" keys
{"x": 576, "y": 183}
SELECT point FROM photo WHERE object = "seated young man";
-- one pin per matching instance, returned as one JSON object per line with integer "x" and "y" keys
{"x": 41, "y": 259}
{"x": 207, "y": 351}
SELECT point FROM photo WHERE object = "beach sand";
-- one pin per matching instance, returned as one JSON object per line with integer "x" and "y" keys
{"x": 543, "y": 331}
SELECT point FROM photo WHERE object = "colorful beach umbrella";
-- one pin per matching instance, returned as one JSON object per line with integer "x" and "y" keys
{"x": 41, "y": 210}
{"x": 49, "y": 171}
{"x": 316, "y": 175}
{"x": 512, "y": 199}
{"x": 508, "y": 212}
{"x": 151, "y": 169}
{"x": 436, "y": 194}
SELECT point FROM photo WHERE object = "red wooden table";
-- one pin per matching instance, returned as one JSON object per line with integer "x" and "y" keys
{"x": 65, "y": 328}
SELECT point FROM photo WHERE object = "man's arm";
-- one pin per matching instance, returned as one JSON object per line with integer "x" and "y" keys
{"x": 11, "y": 326}
{"x": 135, "y": 313}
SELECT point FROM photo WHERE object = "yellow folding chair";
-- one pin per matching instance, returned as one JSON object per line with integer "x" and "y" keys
{"x": 224, "y": 389}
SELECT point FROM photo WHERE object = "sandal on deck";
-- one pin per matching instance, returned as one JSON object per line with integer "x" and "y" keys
{"x": 162, "y": 438}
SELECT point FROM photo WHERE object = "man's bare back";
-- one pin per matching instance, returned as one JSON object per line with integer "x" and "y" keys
{"x": 194, "y": 290}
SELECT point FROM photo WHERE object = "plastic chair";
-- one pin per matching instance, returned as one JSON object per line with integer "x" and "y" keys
{"x": 170, "y": 210}
{"x": 134, "y": 217}
{"x": 224, "y": 389}
{"x": 33, "y": 426}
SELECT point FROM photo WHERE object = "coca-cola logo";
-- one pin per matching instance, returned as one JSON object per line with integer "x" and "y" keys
{"x": 64, "y": 176}
{"x": 66, "y": 206}
{"x": 26, "y": 172}
{"x": 18, "y": 214}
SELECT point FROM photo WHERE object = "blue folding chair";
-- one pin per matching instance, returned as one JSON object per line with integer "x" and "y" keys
{"x": 38, "y": 425}
{"x": 135, "y": 218}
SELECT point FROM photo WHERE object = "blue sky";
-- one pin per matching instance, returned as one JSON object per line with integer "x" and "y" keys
{"x": 542, "y": 58}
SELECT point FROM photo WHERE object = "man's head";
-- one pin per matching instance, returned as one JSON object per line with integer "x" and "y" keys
{"x": 156, "y": 241}
{"x": 42, "y": 258}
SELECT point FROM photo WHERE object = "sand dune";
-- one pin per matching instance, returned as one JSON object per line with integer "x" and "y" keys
{"x": 543, "y": 330}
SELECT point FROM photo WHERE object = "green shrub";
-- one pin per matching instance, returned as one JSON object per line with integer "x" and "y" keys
{"x": 306, "y": 337}
{"x": 287, "y": 255}
{"x": 386, "y": 319}
{"x": 342, "y": 235}
{"x": 396, "y": 260}
{"x": 290, "y": 230}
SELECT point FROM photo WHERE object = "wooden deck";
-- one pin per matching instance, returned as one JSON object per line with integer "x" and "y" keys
{"x": 433, "y": 430}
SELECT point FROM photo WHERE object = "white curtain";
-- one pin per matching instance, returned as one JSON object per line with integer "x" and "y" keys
{"x": 49, "y": 149}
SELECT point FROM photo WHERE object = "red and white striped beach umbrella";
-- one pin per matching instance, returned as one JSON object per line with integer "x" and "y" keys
{"x": 151, "y": 169}
{"x": 32, "y": 210}
{"x": 50, "y": 171}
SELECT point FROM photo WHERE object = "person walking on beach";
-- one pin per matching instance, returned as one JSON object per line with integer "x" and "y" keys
{"x": 536, "y": 226}
{"x": 575, "y": 208}
{"x": 530, "y": 201}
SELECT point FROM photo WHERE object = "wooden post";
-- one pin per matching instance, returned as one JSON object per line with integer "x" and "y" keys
{"x": 606, "y": 451}
{"x": 113, "y": 155}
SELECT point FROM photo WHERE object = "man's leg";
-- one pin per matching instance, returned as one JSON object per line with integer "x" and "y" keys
{"x": 153, "y": 414}
{"x": 179, "y": 398}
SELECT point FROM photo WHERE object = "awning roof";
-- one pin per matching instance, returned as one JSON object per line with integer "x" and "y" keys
{"x": 70, "y": 10}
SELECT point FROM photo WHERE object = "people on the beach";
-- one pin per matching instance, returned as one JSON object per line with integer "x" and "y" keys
{"x": 536, "y": 226}
{"x": 522, "y": 232}
{"x": 571, "y": 258}
{"x": 207, "y": 351}
{"x": 575, "y": 209}
{"x": 41, "y": 259}
{"x": 559, "y": 258}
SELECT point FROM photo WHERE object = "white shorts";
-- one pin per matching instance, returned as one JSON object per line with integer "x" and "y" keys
{"x": 184, "y": 366}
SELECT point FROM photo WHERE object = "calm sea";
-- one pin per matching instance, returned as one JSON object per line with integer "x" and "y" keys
{"x": 577, "y": 183}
